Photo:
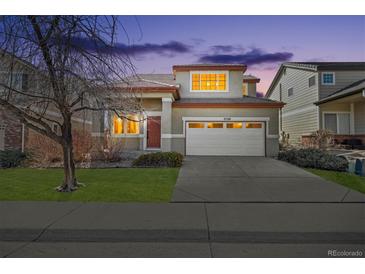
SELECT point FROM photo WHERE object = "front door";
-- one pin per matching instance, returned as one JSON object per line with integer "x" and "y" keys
{"x": 154, "y": 132}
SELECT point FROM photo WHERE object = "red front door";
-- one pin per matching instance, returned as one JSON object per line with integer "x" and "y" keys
{"x": 154, "y": 132}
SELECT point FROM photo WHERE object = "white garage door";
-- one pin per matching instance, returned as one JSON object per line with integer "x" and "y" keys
{"x": 225, "y": 138}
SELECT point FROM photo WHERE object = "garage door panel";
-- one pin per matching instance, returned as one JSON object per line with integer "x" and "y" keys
{"x": 226, "y": 141}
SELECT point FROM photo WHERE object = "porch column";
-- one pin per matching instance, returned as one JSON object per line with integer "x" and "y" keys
{"x": 166, "y": 124}
{"x": 352, "y": 118}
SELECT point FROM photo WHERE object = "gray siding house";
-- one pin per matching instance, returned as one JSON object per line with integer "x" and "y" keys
{"x": 320, "y": 95}
{"x": 199, "y": 109}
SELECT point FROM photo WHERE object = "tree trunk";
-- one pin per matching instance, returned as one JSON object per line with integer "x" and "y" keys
{"x": 69, "y": 182}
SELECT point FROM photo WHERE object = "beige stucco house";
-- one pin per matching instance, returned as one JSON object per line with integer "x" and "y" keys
{"x": 200, "y": 109}
{"x": 320, "y": 95}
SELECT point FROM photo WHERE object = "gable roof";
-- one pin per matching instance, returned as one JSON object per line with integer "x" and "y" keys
{"x": 351, "y": 89}
{"x": 315, "y": 66}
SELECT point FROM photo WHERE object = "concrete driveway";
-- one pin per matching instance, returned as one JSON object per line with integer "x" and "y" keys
{"x": 254, "y": 179}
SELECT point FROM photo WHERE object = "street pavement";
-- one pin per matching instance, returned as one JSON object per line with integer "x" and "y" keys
{"x": 68, "y": 229}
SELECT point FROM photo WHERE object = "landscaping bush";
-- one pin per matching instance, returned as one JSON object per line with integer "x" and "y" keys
{"x": 11, "y": 158}
{"x": 159, "y": 159}
{"x": 313, "y": 158}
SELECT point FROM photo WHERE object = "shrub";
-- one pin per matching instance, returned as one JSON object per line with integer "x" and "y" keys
{"x": 159, "y": 159}
{"x": 113, "y": 152}
{"x": 45, "y": 151}
{"x": 82, "y": 144}
{"x": 11, "y": 158}
{"x": 320, "y": 139}
{"x": 313, "y": 158}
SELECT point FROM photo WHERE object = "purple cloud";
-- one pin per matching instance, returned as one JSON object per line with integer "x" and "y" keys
{"x": 168, "y": 48}
{"x": 253, "y": 57}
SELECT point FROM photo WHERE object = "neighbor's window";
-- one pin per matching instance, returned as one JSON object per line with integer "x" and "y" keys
{"x": 208, "y": 82}
{"x": 290, "y": 92}
{"x": 253, "y": 125}
{"x": 328, "y": 78}
{"x": 244, "y": 89}
{"x": 338, "y": 123}
{"x": 196, "y": 125}
{"x": 126, "y": 126}
{"x": 312, "y": 81}
{"x": 16, "y": 80}
{"x": 234, "y": 125}
{"x": 215, "y": 125}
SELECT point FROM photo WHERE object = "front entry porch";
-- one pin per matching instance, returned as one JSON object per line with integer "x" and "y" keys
{"x": 344, "y": 117}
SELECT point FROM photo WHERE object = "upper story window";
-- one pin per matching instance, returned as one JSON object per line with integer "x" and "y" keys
{"x": 290, "y": 92}
{"x": 312, "y": 81}
{"x": 245, "y": 89}
{"x": 15, "y": 80}
{"x": 328, "y": 78}
{"x": 209, "y": 81}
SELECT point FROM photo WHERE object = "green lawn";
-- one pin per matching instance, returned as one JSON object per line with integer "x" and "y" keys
{"x": 343, "y": 178}
{"x": 102, "y": 185}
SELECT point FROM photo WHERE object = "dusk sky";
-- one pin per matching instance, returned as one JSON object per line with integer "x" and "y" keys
{"x": 261, "y": 42}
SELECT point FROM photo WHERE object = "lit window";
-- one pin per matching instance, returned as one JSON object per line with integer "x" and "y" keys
{"x": 244, "y": 89}
{"x": 196, "y": 81}
{"x": 133, "y": 124}
{"x": 117, "y": 125}
{"x": 208, "y": 81}
{"x": 215, "y": 125}
{"x": 234, "y": 125}
{"x": 253, "y": 125}
{"x": 196, "y": 125}
{"x": 328, "y": 78}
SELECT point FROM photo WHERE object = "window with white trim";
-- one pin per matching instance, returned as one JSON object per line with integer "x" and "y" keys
{"x": 338, "y": 123}
{"x": 128, "y": 125}
{"x": 209, "y": 81}
{"x": 328, "y": 78}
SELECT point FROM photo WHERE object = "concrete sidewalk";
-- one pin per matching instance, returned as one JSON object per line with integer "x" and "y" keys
{"x": 182, "y": 222}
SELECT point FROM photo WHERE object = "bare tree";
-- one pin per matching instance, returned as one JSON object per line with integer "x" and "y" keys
{"x": 72, "y": 65}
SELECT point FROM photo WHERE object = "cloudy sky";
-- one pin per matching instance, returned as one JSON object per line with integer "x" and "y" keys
{"x": 155, "y": 43}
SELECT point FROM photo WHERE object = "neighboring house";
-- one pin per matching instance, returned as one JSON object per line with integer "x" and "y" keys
{"x": 320, "y": 95}
{"x": 14, "y": 135}
{"x": 200, "y": 109}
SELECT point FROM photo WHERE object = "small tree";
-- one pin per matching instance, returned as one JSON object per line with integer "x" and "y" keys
{"x": 69, "y": 65}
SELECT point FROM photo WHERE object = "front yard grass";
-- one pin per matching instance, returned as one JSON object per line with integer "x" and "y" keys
{"x": 343, "y": 178}
{"x": 102, "y": 185}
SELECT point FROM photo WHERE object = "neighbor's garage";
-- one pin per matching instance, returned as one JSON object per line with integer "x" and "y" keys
{"x": 238, "y": 138}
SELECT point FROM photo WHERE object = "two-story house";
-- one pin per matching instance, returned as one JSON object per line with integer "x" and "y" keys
{"x": 200, "y": 109}
{"x": 22, "y": 76}
{"x": 320, "y": 95}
